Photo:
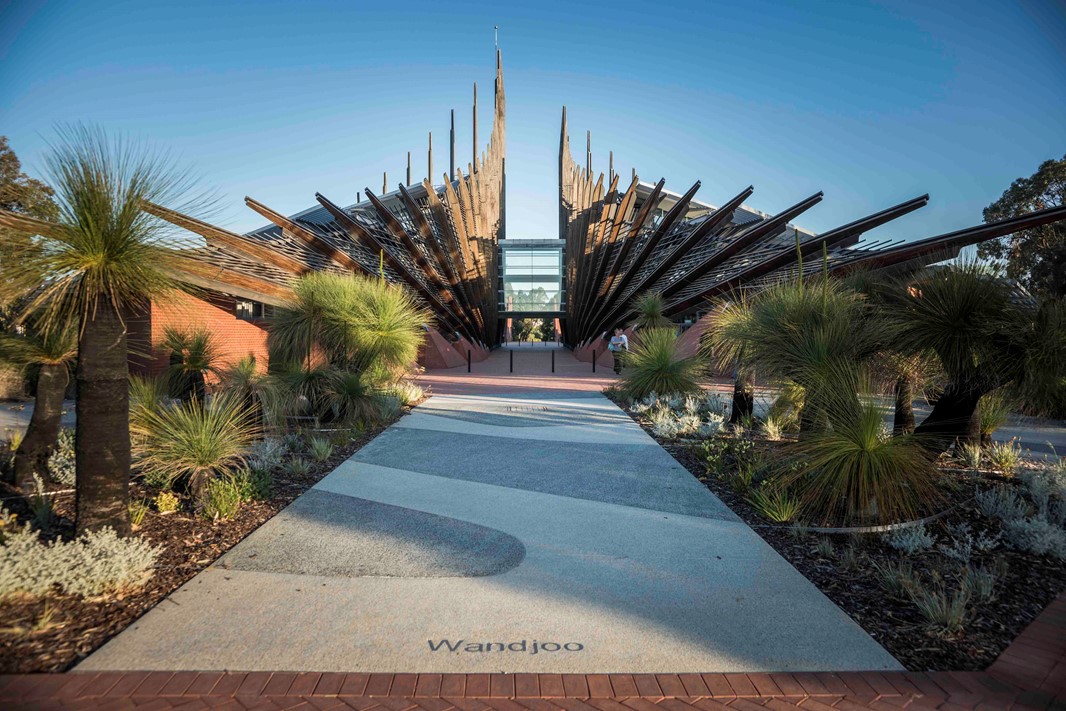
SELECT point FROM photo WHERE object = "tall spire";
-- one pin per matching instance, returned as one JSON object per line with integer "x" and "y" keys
{"x": 408, "y": 167}
{"x": 451, "y": 151}
{"x": 429, "y": 159}
{"x": 475, "y": 129}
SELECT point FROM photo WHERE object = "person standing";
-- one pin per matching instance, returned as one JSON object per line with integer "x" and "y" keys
{"x": 619, "y": 343}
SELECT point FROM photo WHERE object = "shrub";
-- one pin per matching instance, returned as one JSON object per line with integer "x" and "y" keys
{"x": 1001, "y": 502}
{"x": 266, "y": 454}
{"x": 1037, "y": 536}
{"x": 1005, "y": 456}
{"x": 406, "y": 392}
{"x": 195, "y": 441}
{"x": 94, "y": 564}
{"x": 656, "y": 365}
{"x": 319, "y": 448}
{"x": 166, "y": 502}
{"x": 824, "y": 547}
{"x": 298, "y": 466}
{"x": 774, "y": 504}
{"x": 895, "y": 579}
{"x": 850, "y": 472}
{"x": 943, "y": 613}
{"x": 970, "y": 455}
{"x": 712, "y": 454}
{"x": 994, "y": 411}
{"x": 61, "y": 465}
{"x": 138, "y": 510}
{"x": 41, "y": 504}
{"x": 221, "y": 498}
{"x": 914, "y": 539}
{"x": 255, "y": 484}
{"x": 849, "y": 558}
{"x": 772, "y": 429}
{"x": 979, "y": 583}
{"x": 711, "y": 425}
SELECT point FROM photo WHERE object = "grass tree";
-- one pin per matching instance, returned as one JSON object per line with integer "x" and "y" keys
{"x": 855, "y": 471}
{"x": 805, "y": 333}
{"x": 194, "y": 442}
{"x": 649, "y": 307}
{"x": 50, "y": 352}
{"x": 983, "y": 340}
{"x": 729, "y": 317}
{"x": 656, "y": 365}
{"x": 194, "y": 354}
{"x": 351, "y": 322}
{"x": 102, "y": 260}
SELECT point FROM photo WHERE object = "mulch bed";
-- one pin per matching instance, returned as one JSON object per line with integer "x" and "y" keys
{"x": 70, "y": 627}
{"x": 1025, "y": 586}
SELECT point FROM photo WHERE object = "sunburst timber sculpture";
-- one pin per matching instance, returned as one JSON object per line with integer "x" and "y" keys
{"x": 620, "y": 239}
{"x": 438, "y": 240}
{"x": 649, "y": 239}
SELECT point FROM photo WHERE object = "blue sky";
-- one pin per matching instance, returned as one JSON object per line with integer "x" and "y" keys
{"x": 873, "y": 103}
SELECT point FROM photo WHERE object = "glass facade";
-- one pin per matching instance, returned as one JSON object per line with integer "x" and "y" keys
{"x": 531, "y": 276}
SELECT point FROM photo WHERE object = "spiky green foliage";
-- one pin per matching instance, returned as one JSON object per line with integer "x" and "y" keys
{"x": 805, "y": 333}
{"x": 852, "y": 472}
{"x": 260, "y": 392}
{"x": 649, "y": 307}
{"x": 774, "y": 503}
{"x": 352, "y": 322}
{"x": 983, "y": 339}
{"x": 195, "y": 441}
{"x": 103, "y": 246}
{"x": 103, "y": 259}
{"x": 655, "y": 365}
{"x": 36, "y": 345}
{"x": 194, "y": 353}
{"x": 994, "y": 410}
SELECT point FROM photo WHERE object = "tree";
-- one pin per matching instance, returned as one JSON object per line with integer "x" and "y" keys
{"x": 194, "y": 354}
{"x": 649, "y": 308}
{"x": 983, "y": 341}
{"x": 522, "y": 328}
{"x": 102, "y": 259}
{"x": 1035, "y": 257}
{"x": 51, "y": 354}
{"x": 546, "y": 330}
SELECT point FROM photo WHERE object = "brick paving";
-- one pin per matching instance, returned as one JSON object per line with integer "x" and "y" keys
{"x": 1030, "y": 674}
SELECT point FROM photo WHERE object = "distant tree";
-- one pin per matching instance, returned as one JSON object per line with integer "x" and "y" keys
{"x": 23, "y": 195}
{"x": 522, "y": 328}
{"x": 1035, "y": 257}
{"x": 546, "y": 329}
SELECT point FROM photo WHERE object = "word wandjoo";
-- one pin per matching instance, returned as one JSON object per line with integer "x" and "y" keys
{"x": 521, "y": 646}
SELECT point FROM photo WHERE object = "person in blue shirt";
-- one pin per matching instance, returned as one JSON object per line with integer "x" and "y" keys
{"x": 618, "y": 344}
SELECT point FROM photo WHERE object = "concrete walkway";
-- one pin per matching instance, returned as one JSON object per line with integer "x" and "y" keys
{"x": 516, "y": 532}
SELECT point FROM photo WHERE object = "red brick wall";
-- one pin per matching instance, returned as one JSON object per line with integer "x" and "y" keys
{"x": 234, "y": 337}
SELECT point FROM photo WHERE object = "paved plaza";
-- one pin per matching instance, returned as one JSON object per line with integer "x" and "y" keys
{"x": 501, "y": 532}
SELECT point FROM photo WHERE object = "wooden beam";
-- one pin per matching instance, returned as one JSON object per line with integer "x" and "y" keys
{"x": 309, "y": 238}
{"x": 248, "y": 247}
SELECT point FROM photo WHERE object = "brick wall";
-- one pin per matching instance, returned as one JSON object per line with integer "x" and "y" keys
{"x": 234, "y": 337}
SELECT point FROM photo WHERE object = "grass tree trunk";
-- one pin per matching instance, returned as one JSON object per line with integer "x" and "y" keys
{"x": 903, "y": 423}
{"x": 743, "y": 396}
{"x": 43, "y": 431}
{"x": 952, "y": 418}
{"x": 103, "y": 433}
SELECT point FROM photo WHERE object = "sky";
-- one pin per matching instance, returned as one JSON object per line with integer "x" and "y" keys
{"x": 871, "y": 102}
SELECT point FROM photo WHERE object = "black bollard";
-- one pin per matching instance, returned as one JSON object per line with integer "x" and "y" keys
{"x": 593, "y": 360}
{"x": 468, "y": 361}
{"x": 553, "y": 361}
{"x": 512, "y": 361}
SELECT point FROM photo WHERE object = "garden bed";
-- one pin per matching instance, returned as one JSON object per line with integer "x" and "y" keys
{"x": 846, "y": 569}
{"x": 53, "y": 633}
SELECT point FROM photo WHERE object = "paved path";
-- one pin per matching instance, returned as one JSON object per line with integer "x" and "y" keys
{"x": 519, "y": 532}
